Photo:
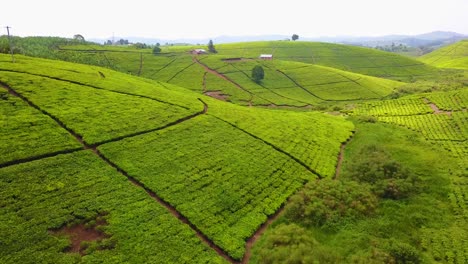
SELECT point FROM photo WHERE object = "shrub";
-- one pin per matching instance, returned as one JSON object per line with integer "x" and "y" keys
{"x": 388, "y": 178}
{"x": 329, "y": 202}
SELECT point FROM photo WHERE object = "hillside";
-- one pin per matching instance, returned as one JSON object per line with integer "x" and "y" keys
{"x": 188, "y": 160}
{"x": 287, "y": 83}
{"x": 451, "y": 56}
{"x": 349, "y": 58}
{"x": 150, "y": 147}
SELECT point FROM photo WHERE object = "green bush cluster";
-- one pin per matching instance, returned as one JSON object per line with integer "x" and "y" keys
{"x": 328, "y": 202}
{"x": 387, "y": 177}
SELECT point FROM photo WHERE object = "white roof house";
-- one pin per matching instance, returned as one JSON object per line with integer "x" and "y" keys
{"x": 198, "y": 51}
{"x": 266, "y": 56}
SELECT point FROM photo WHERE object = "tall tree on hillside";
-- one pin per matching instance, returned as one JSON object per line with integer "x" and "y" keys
{"x": 295, "y": 37}
{"x": 79, "y": 37}
{"x": 258, "y": 73}
{"x": 156, "y": 50}
{"x": 211, "y": 47}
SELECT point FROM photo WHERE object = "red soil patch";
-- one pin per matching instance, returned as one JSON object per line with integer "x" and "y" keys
{"x": 435, "y": 108}
{"x": 79, "y": 233}
{"x": 218, "y": 95}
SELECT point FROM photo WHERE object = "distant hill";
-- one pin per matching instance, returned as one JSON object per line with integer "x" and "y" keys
{"x": 452, "y": 56}
{"x": 409, "y": 40}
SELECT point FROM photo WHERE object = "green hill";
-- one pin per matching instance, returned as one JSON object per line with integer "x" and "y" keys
{"x": 102, "y": 166}
{"x": 349, "y": 58}
{"x": 222, "y": 168}
{"x": 452, "y": 56}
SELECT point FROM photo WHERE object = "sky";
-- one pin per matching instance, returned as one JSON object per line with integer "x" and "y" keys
{"x": 175, "y": 19}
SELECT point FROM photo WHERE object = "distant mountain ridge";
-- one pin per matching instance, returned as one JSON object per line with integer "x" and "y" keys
{"x": 435, "y": 37}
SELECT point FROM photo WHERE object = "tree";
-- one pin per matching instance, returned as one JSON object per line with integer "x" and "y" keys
{"x": 258, "y": 73}
{"x": 79, "y": 38}
{"x": 295, "y": 37}
{"x": 156, "y": 50}
{"x": 211, "y": 47}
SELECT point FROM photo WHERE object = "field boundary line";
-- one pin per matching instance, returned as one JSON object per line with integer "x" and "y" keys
{"x": 273, "y": 146}
{"x": 300, "y": 86}
{"x": 271, "y": 89}
{"x": 139, "y": 133}
{"x": 96, "y": 87}
{"x": 172, "y": 210}
{"x": 162, "y": 68}
{"x": 179, "y": 72}
{"x": 39, "y": 157}
{"x": 222, "y": 76}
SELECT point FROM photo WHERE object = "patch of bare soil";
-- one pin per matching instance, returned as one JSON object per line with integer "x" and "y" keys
{"x": 236, "y": 59}
{"x": 82, "y": 232}
{"x": 436, "y": 109}
{"x": 218, "y": 95}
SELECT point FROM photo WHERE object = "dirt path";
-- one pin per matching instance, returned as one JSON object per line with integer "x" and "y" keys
{"x": 253, "y": 239}
{"x": 222, "y": 76}
{"x": 341, "y": 157}
{"x": 141, "y": 64}
{"x": 204, "y": 82}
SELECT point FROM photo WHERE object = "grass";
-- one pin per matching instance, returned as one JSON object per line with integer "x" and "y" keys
{"x": 394, "y": 224}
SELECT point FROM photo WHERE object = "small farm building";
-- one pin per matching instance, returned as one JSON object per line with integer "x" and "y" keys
{"x": 266, "y": 56}
{"x": 198, "y": 51}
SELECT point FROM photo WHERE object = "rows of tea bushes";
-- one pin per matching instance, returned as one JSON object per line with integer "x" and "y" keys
{"x": 101, "y": 78}
{"x": 44, "y": 195}
{"x": 312, "y": 138}
{"x": 451, "y": 56}
{"x": 97, "y": 115}
{"x": 433, "y": 127}
{"x": 349, "y": 58}
{"x": 223, "y": 180}
{"x": 25, "y": 132}
{"x": 401, "y": 107}
{"x": 450, "y": 101}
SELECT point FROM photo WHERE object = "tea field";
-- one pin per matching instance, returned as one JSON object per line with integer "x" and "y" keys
{"x": 340, "y": 154}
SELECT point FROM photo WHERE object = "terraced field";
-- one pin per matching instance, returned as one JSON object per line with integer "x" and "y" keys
{"x": 302, "y": 74}
{"x": 98, "y": 165}
{"x": 452, "y": 56}
{"x": 209, "y": 168}
{"x": 440, "y": 117}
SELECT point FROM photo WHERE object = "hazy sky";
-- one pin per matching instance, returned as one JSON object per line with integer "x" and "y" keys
{"x": 170, "y": 19}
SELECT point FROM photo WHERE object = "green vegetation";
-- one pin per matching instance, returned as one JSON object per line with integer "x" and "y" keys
{"x": 391, "y": 192}
{"x": 311, "y": 138}
{"x": 258, "y": 73}
{"x": 27, "y": 133}
{"x": 95, "y": 114}
{"x": 201, "y": 168}
{"x": 45, "y": 195}
{"x": 452, "y": 56}
{"x": 353, "y": 155}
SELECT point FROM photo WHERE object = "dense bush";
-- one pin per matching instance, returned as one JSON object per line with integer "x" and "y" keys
{"x": 388, "y": 178}
{"x": 327, "y": 202}
{"x": 293, "y": 244}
